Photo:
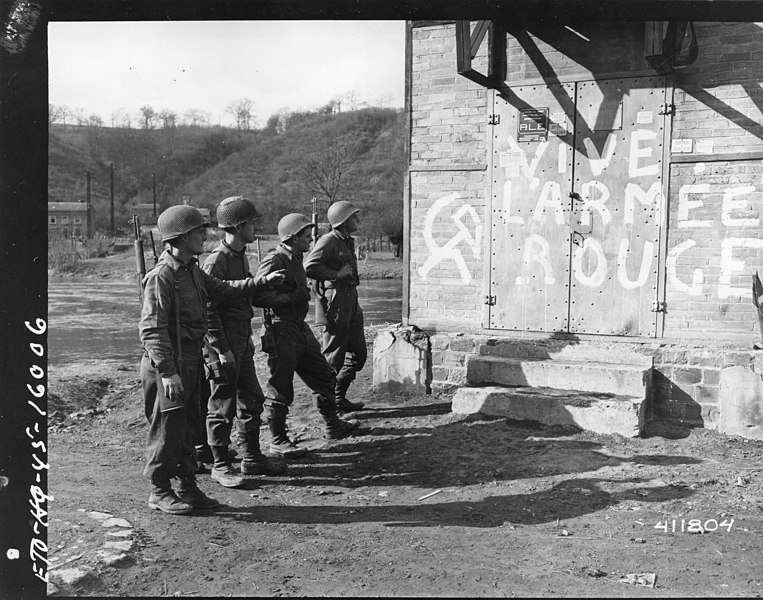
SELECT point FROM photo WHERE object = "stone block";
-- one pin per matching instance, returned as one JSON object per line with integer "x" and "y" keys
{"x": 740, "y": 402}
{"x": 401, "y": 360}
{"x": 600, "y": 413}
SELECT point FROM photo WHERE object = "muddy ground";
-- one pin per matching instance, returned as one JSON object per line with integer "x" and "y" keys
{"x": 421, "y": 502}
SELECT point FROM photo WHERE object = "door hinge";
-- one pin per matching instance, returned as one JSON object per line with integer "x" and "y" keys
{"x": 494, "y": 120}
{"x": 658, "y": 306}
{"x": 490, "y": 300}
{"x": 667, "y": 109}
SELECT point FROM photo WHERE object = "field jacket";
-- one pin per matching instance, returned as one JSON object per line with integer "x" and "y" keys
{"x": 172, "y": 283}
{"x": 331, "y": 252}
{"x": 289, "y": 300}
{"x": 228, "y": 312}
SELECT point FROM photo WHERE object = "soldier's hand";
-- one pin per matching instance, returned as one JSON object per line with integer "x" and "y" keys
{"x": 345, "y": 271}
{"x": 276, "y": 277}
{"x": 227, "y": 359}
{"x": 173, "y": 387}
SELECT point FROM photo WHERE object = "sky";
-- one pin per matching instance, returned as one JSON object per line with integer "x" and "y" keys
{"x": 101, "y": 67}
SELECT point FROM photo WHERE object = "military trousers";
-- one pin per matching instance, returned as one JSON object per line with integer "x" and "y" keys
{"x": 297, "y": 351}
{"x": 171, "y": 434}
{"x": 344, "y": 340}
{"x": 235, "y": 394}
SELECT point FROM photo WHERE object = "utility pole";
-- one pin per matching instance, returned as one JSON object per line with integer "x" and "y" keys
{"x": 87, "y": 210}
{"x": 153, "y": 178}
{"x": 112, "y": 199}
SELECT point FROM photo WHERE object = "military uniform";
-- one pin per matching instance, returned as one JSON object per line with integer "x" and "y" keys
{"x": 169, "y": 286}
{"x": 234, "y": 392}
{"x": 296, "y": 348}
{"x": 344, "y": 340}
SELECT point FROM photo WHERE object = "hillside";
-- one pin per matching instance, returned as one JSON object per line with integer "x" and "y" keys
{"x": 209, "y": 164}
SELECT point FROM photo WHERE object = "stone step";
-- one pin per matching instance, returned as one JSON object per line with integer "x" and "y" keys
{"x": 589, "y": 376}
{"x": 598, "y": 412}
{"x": 558, "y": 349}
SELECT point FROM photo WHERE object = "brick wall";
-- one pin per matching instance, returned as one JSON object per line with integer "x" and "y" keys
{"x": 715, "y": 245}
{"x": 448, "y": 184}
{"x": 714, "y": 239}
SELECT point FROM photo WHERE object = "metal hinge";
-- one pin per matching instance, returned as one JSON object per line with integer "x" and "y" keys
{"x": 668, "y": 109}
{"x": 658, "y": 306}
{"x": 490, "y": 300}
{"x": 494, "y": 120}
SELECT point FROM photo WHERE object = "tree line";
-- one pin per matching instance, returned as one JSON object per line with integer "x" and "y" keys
{"x": 241, "y": 111}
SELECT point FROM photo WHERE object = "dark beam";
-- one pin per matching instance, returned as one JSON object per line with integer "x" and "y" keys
{"x": 545, "y": 11}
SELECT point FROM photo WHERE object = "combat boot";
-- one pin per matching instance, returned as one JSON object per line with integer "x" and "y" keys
{"x": 281, "y": 444}
{"x": 164, "y": 499}
{"x": 338, "y": 428}
{"x": 335, "y": 426}
{"x": 227, "y": 477}
{"x": 263, "y": 465}
{"x": 346, "y": 406}
{"x": 189, "y": 492}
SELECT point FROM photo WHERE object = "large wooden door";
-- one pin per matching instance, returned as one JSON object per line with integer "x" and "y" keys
{"x": 576, "y": 207}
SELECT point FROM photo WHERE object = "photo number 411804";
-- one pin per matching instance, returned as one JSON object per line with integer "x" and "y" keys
{"x": 693, "y": 525}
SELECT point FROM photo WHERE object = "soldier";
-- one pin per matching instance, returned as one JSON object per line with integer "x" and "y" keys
{"x": 172, "y": 326}
{"x": 333, "y": 265}
{"x": 229, "y": 354}
{"x": 295, "y": 347}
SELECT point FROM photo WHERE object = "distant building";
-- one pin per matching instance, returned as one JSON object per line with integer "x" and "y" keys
{"x": 70, "y": 218}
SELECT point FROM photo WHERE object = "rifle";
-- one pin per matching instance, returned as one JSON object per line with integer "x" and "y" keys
{"x": 140, "y": 258}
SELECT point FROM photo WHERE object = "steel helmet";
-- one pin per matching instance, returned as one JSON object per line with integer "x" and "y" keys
{"x": 179, "y": 219}
{"x": 339, "y": 212}
{"x": 292, "y": 224}
{"x": 235, "y": 210}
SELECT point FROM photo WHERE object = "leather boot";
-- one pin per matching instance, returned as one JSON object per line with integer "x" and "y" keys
{"x": 164, "y": 499}
{"x": 335, "y": 427}
{"x": 189, "y": 492}
{"x": 281, "y": 444}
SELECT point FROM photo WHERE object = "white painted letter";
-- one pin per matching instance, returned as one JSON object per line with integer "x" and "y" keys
{"x": 729, "y": 204}
{"x": 507, "y": 205}
{"x": 729, "y": 265}
{"x": 595, "y": 200}
{"x": 672, "y": 261}
{"x": 684, "y": 205}
{"x": 636, "y": 153}
{"x": 599, "y": 164}
{"x": 600, "y": 273}
{"x": 634, "y": 192}
{"x": 550, "y": 196}
{"x": 622, "y": 266}
{"x": 536, "y": 250}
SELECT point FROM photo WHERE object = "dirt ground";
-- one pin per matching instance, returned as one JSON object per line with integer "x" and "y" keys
{"x": 421, "y": 502}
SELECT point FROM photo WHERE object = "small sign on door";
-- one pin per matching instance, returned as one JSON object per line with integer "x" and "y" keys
{"x": 533, "y": 125}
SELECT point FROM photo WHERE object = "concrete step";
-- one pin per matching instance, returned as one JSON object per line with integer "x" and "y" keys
{"x": 589, "y": 376}
{"x": 559, "y": 349}
{"x": 598, "y": 412}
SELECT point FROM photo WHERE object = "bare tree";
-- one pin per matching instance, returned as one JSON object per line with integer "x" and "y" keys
{"x": 65, "y": 111}
{"x": 193, "y": 116}
{"x": 167, "y": 117}
{"x": 148, "y": 117}
{"x": 242, "y": 113}
{"x": 325, "y": 172}
{"x": 79, "y": 115}
{"x": 53, "y": 113}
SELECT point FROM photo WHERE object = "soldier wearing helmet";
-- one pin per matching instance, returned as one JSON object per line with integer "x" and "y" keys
{"x": 234, "y": 393}
{"x": 334, "y": 266}
{"x": 296, "y": 350}
{"x": 172, "y": 326}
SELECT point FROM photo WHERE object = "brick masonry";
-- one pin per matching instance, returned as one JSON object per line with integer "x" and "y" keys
{"x": 711, "y": 241}
{"x": 686, "y": 378}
